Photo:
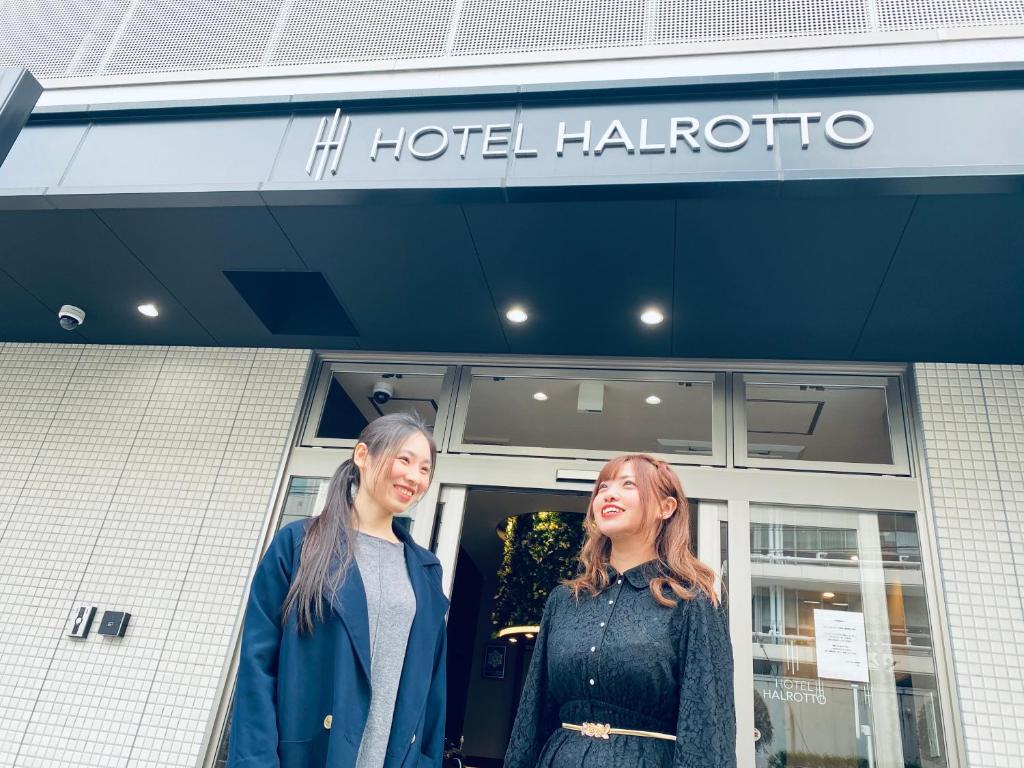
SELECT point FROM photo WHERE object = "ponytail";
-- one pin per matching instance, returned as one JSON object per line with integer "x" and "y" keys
{"x": 326, "y": 551}
{"x": 327, "y": 546}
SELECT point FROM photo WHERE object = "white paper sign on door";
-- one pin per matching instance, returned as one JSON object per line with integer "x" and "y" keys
{"x": 842, "y": 652}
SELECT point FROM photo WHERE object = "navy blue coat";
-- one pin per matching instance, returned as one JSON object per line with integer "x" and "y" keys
{"x": 301, "y": 701}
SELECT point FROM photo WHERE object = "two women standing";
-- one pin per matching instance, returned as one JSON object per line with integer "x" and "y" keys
{"x": 343, "y": 652}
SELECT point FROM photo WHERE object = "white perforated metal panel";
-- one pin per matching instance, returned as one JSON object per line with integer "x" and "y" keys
{"x": 90, "y": 38}
{"x": 324, "y": 31}
{"x": 499, "y": 26}
{"x": 701, "y": 21}
{"x": 931, "y": 14}
{"x": 187, "y": 35}
{"x": 55, "y": 38}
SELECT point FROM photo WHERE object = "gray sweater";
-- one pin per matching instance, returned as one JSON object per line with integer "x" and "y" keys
{"x": 391, "y": 605}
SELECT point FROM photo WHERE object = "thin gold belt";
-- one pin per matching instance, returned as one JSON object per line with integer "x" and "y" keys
{"x": 603, "y": 731}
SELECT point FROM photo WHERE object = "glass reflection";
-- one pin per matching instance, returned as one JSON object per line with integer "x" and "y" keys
{"x": 843, "y": 666}
{"x": 806, "y": 422}
{"x": 618, "y": 416}
{"x": 355, "y": 398}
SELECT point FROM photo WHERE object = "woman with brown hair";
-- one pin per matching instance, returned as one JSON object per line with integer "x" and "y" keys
{"x": 632, "y": 667}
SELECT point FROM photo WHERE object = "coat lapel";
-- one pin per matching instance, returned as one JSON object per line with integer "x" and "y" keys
{"x": 431, "y": 607}
{"x": 431, "y": 604}
{"x": 349, "y": 602}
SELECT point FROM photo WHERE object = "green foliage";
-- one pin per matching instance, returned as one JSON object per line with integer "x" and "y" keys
{"x": 540, "y": 550}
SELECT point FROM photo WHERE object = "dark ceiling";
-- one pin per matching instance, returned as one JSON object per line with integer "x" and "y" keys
{"x": 883, "y": 278}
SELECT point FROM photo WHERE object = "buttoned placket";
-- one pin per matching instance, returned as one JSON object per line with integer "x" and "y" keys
{"x": 609, "y": 600}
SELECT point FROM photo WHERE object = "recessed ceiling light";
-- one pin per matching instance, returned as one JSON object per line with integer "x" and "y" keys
{"x": 516, "y": 315}
{"x": 540, "y": 396}
{"x": 828, "y": 595}
{"x": 651, "y": 316}
{"x": 149, "y": 310}
{"x": 652, "y": 400}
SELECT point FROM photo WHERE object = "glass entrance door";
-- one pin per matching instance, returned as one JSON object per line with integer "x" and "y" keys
{"x": 503, "y": 550}
{"x": 510, "y": 549}
{"x": 842, "y": 656}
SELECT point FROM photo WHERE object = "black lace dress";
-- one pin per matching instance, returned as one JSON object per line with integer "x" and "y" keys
{"x": 621, "y": 658}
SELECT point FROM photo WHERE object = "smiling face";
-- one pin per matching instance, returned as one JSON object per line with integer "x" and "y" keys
{"x": 406, "y": 477}
{"x": 617, "y": 508}
{"x": 632, "y": 500}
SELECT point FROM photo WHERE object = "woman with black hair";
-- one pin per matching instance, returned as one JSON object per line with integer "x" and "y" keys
{"x": 343, "y": 651}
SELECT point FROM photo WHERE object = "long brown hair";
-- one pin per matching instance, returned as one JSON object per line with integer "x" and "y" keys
{"x": 326, "y": 551}
{"x": 678, "y": 569}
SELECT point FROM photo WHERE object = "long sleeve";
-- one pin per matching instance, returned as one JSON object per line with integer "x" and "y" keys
{"x": 537, "y": 717}
{"x": 706, "y": 728}
{"x": 254, "y": 737}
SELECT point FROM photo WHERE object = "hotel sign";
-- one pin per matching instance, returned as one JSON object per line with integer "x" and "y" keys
{"x": 683, "y": 134}
{"x": 519, "y": 150}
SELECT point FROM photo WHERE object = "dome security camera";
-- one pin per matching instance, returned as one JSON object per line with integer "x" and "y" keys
{"x": 383, "y": 391}
{"x": 70, "y": 317}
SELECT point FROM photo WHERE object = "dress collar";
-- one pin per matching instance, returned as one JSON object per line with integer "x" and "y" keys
{"x": 639, "y": 575}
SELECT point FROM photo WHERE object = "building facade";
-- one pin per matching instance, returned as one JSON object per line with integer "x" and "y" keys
{"x": 324, "y": 200}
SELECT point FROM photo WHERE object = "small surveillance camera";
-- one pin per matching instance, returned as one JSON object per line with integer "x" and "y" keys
{"x": 71, "y": 317}
{"x": 383, "y": 391}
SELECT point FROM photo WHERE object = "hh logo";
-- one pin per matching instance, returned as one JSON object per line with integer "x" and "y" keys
{"x": 328, "y": 140}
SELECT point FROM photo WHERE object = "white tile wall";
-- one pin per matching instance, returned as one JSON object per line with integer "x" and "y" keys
{"x": 973, "y": 424}
{"x": 137, "y": 479}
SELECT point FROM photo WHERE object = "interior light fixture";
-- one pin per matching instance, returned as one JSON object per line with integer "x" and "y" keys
{"x": 149, "y": 310}
{"x": 516, "y": 315}
{"x": 828, "y": 595}
{"x": 512, "y": 634}
{"x": 652, "y": 316}
{"x": 652, "y": 400}
{"x": 854, "y": 558}
{"x": 540, "y": 396}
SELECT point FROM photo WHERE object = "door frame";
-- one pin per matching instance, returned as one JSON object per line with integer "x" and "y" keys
{"x": 722, "y": 495}
{"x": 725, "y": 493}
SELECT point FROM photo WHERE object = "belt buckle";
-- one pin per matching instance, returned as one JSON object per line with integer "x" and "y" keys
{"x": 596, "y": 730}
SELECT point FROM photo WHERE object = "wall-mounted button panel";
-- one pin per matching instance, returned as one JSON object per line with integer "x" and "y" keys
{"x": 82, "y": 621}
{"x": 114, "y": 623}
